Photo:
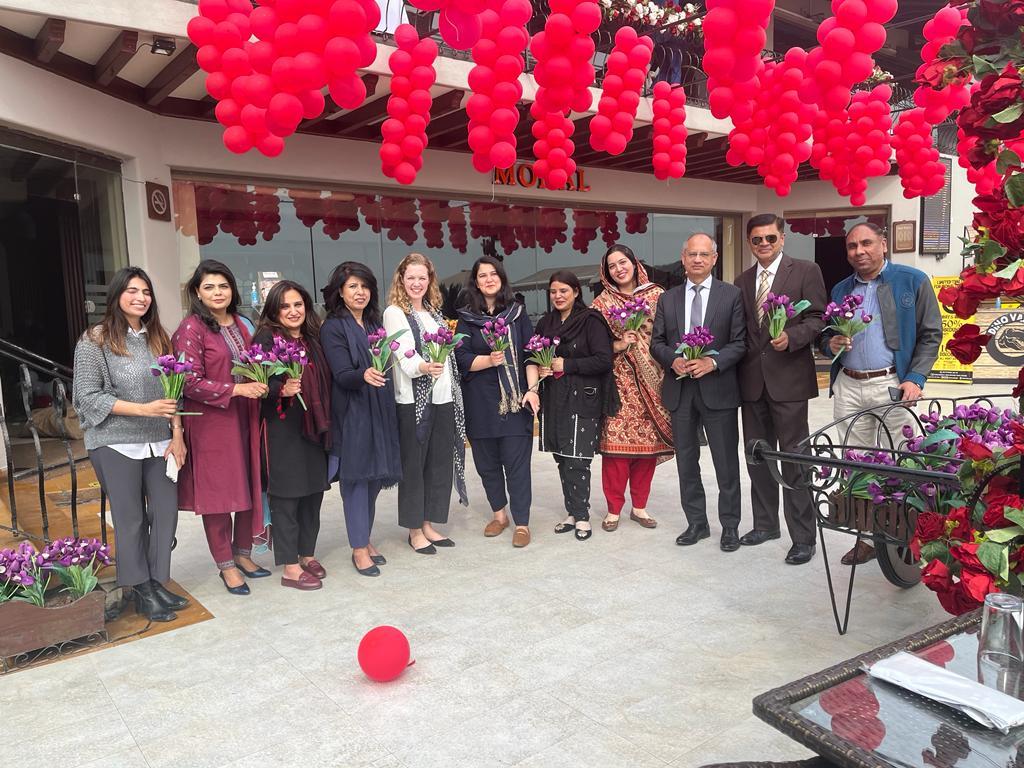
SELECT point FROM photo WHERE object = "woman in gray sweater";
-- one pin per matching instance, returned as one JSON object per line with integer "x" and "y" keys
{"x": 130, "y": 432}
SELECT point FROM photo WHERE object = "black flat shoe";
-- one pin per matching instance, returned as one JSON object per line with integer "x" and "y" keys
{"x": 171, "y": 601}
{"x": 379, "y": 559}
{"x": 445, "y": 542}
{"x": 241, "y": 589}
{"x": 799, "y": 554}
{"x": 259, "y": 573}
{"x": 564, "y": 527}
{"x": 756, "y": 537}
{"x": 147, "y": 604}
{"x": 373, "y": 570}
{"x": 427, "y": 550}
{"x": 730, "y": 540}
{"x": 693, "y": 534}
{"x": 582, "y": 534}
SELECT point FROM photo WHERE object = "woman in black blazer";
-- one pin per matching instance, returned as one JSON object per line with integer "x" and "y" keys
{"x": 575, "y": 392}
{"x": 365, "y": 455}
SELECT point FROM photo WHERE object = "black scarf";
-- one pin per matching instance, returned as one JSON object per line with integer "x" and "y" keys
{"x": 508, "y": 374}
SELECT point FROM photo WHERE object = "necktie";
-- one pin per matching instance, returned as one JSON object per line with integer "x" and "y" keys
{"x": 762, "y": 294}
{"x": 696, "y": 308}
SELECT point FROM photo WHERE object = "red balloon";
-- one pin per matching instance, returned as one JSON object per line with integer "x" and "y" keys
{"x": 228, "y": 112}
{"x": 422, "y": 77}
{"x": 284, "y": 114}
{"x": 392, "y": 130}
{"x": 263, "y": 22}
{"x": 586, "y": 17}
{"x": 349, "y": 92}
{"x": 390, "y": 153}
{"x": 209, "y": 58}
{"x": 384, "y": 651}
{"x": 261, "y": 56}
{"x": 258, "y": 90}
{"x": 502, "y": 154}
{"x": 218, "y": 85}
{"x": 419, "y": 101}
{"x": 516, "y": 13}
{"x": 313, "y": 32}
{"x": 200, "y": 30}
{"x": 313, "y": 103}
{"x": 271, "y": 145}
{"x": 215, "y": 10}
{"x": 341, "y": 56}
{"x": 254, "y": 120}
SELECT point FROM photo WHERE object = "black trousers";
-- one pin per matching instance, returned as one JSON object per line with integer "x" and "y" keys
{"x": 782, "y": 424}
{"x": 504, "y": 462}
{"x": 295, "y": 525}
{"x": 428, "y": 468}
{"x": 575, "y": 476}
{"x": 144, "y": 508}
{"x": 722, "y": 428}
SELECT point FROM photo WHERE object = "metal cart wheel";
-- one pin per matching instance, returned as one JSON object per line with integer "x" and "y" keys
{"x": 898, "y": 564}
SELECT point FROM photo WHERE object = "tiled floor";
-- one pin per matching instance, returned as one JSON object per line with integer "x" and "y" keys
{"x": 624, "y": 650}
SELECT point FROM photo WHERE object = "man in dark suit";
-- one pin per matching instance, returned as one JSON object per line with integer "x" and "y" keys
{"x": 777, "y": 378}
{"x": 703, "y": 391}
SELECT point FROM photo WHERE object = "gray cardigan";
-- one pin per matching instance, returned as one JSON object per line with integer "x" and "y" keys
{"x": 102, "y": 378}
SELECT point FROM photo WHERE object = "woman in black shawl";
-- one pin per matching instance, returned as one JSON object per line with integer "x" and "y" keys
{"x": 364, "y": 425}
{"x": 575, "y": 393}
{"x": 496, "y": 391}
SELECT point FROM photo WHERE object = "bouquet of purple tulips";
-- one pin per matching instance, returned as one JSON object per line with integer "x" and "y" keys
{"x": 542, "y": 350}
{"x": 631, "y": 316}
{"x": 25, "y": 572}
{"x": 843, "y": 317}
{"x": 172, "y": 372}
{"x": 441, "y": 344}
{"x": 255, "y": 364}
{"x": 779, "y": 308}
{"x": 291, "y": 361}
{"x": 496, "y": 334}
{"x": 694, "y": 345}
{"x": 383, "y": 348}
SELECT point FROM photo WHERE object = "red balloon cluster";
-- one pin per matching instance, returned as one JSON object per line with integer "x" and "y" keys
{"x": 405, "y": 130}
{"x": 564, "y": 74}
{"x": 610, "y": 228}
{"x": 584, "y": 230}
{"x": 921, "y": 173}
{"x": 849, "y": 151}
{"x": 954, "y": 92}
{"x": 493, "y": 116}
{"x": 612, "y": 127}
{"x": 774, "y": 139}
{"x": 457, "y": 236}
{"x": 669, "y": 135}
{"x": 734, "y": 36}
{"x": 458, "y": 21}
{"x": 243, "y": 214}
{"x": 339, "y": 214}
{"x": 551, "y": 228}
{"x": 265, "y": 88}
{"x": 636, "y": 223}
{"x": 848, "y": 41}
{"x": 433, "y": 214}
{"x": 399, "y": 215}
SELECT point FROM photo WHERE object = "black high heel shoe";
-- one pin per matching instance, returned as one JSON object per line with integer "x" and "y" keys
{"x": 171, "y": 601}
{"x": 427, "y": 550}
{"x": 148, "y": 604}
{"x": 242, "y": 589}
{"x": 259, "y": 573}
{"x": 373, "y": 570}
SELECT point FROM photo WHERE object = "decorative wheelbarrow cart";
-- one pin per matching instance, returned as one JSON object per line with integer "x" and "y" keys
{"x": 875, "y": 492}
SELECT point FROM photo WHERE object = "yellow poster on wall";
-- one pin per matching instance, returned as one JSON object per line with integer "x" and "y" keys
{"x": 948, "y": 368}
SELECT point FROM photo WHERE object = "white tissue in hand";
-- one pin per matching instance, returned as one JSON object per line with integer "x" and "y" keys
{"x": 172, "y": 468}
{"x": 990, "y": 707}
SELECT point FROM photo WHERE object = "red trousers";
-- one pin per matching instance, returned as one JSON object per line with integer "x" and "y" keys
{"x": 228, "y": 538}
{"x": 616, "y": 471}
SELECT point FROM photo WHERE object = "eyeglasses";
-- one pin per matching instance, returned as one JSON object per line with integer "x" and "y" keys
{"x": 770, "y": 239}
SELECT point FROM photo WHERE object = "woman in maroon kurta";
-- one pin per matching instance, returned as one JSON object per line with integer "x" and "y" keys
{"x": 221, "y": 475}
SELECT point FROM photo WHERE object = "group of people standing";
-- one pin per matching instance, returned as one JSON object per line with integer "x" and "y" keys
{"x": 249, "y": 455}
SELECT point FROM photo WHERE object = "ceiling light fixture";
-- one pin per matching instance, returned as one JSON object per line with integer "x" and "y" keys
{"x": 163, "y": 46}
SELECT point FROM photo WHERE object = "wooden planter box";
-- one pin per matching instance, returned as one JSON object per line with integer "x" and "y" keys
{"x": 25, "y": 627}
{"x": 892, "y": 519}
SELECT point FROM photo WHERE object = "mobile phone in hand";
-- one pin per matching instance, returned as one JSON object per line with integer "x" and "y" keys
{"x": 895, "y": 394}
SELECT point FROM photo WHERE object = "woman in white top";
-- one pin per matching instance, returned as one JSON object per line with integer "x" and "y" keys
{"x": 431, "y": 422}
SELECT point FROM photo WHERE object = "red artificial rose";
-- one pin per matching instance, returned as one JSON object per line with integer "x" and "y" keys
{"x": 999, "y": 91}
{"x": 972, "y": 450}
{"x": 993, "y": 517}
{"x": 962, "y": 530}
{"x": 1018, "y": 391}
{"x": 977, "y": 583}
{"x": 967, "y": 343}
{"x": 936, "y": 576}
{"x": 957, "y": 600}
{"x": 941, "y": 72}
{"x": 1007, "y": 16}
{"x": 930, "y": 526}
{"x": 967, "y": 556}
{"x": 1004, "y": 223}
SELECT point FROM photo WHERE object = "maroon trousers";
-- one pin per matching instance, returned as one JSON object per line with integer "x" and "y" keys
{"x": 228, "y": 538}
{"x": 616, "y": 471}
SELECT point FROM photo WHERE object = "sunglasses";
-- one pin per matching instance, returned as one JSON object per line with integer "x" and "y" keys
{"x": 771, "y": 239}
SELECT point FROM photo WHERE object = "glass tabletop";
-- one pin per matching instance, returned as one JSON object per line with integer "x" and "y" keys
{"x": 908, "y": 730}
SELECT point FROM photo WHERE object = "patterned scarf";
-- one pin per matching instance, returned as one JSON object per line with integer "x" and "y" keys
{"x": 423, "y": 386}
{"x": 508, "y": 374}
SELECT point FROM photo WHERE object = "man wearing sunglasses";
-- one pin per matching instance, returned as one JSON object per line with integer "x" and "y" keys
{"x": 891, "y": 358}
{"x": 777, "y": 379}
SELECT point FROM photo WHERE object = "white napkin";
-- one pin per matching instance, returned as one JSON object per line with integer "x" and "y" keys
{"x": 172, "y": 468}
{"x": 985, "y": 705}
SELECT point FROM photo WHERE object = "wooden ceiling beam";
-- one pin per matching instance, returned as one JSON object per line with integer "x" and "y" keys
{"x": 167, "y": 80}
{"x": 446, "y": 104}
{"x": 116, "y": 56}
{"x": 331, "y": 108}
{"x": 49, "y": 40}
{"x": 360, "y": 119}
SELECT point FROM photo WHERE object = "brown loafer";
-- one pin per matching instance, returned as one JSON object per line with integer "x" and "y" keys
{"x": 306, "y": 582}
{"x": 314, "y": 568}
{"x": 610, "y": 525}
{"x": 521, "y": 536}
{"x": 494, "y": 528}
{"x": 861, "y": 553}
{"x": 646, "y": 522}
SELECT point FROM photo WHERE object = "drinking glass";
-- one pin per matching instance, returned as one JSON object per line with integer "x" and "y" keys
{"x": 1000, "y": 648}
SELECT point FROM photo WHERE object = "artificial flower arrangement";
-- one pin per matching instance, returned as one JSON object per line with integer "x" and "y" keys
{"x": 496, "y": 335}
{"x": 383, "y": 349}
{"x": 779, "y": 308}
{"x": 631, "y": 316}
{"x": 172, "y": 372}
{"x": 25, "y": 572}
{"x": 259, "y": 365}
{"x": 694, "y": 345}
{"x": 678, "y": 20}
{"x": 846, "y": 317}
{"x": 542, "y": 350}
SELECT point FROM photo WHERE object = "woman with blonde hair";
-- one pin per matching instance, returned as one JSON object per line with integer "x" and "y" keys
{"x": 431, "y": 420}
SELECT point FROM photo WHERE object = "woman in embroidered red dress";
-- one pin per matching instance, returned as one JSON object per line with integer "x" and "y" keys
{"x": 221, "y": 475}
{"x": 639, "y": 437}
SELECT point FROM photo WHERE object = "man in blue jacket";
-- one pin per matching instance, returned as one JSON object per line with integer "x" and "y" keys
{"x": 892, "y": 357}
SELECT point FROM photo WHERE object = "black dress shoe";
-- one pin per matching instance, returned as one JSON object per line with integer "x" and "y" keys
{"x": 373, "y": 570}
{"x": 756, "y": 537}
{"x": 147, "y": 604}
{"x": 730, "y": 540}
{"x": 379, "y": 559}
{"x": 693, "y": 534}
{"x": 241, "y": 589}
{"x": 427, "y": 550}
{"x": 259, "y": 573}
{"x": 171, "y": 601}
{"x": 799, "y": 554}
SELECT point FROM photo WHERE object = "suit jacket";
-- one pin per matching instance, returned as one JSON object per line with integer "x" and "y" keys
{"x": 787, "y": 376}
{"x": 723, "y": 317}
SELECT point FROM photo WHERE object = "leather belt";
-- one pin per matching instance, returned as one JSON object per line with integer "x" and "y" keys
{"x": 865, "y": 375}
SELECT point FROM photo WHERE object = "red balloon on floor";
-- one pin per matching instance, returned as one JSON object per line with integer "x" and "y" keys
{"x": 383, "y": 653}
